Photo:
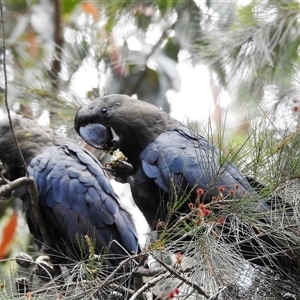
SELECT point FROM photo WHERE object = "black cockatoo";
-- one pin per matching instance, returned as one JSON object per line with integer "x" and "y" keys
{"x": 165, "y": 155}
{"x": 75, "y": 195}
{"x": 169, "y": 163}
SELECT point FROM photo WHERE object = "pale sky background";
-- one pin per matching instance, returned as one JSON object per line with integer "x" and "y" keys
{"x": 194, "y": 100}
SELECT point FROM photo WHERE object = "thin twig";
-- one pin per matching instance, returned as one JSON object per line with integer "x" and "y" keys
{"x": 148, "y": 285}
{"x": 184, "y": 279}
{"x": 120, "y": 266}
{"x": 215, "y": 296}
{"x": 143, "y": 272}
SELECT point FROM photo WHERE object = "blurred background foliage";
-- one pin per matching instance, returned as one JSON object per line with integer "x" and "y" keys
{"x": 62, "y": 54}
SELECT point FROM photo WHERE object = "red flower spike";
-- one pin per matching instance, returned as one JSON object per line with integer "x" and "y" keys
{"x": 191, "y": 206}
{"x": 91, "y": 9}
{"x": 176, "y": 290}
{"x": 29, "y": 295}
{"x": 220, "y": 221}
{"x": 221, "y": 189}
{"x": 178, "y": 257}
{"x": 171, "y": 295}
{"x": 200, "y": 192}
{"x": 204, "y": 210}
{"x": 8, "y": 234}
{"x": 237, "y": 186}
{"x": 198, "y": 221}
{"x": 231, "y": 192}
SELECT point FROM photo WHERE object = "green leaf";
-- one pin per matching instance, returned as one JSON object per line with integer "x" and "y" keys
{"x": 246, "y": 16}
{"x": 110, "y": 25}
{"x": 172, "y": 49}
{"x": 165, "y": 5}
{"x": 68, "y": 7}
{"x": 19, "y": 5}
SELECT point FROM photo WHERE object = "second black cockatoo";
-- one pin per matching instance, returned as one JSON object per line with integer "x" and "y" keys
{"x": 75, "y": 195}
{"x": 166, "y": 156}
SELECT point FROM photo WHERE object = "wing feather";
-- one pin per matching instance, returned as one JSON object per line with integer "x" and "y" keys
{"x": 189, "y": 160}
{"x": 76, "y": 196}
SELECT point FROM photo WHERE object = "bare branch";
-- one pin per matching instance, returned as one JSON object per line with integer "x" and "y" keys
{"x": 120, "y": 266}
{"x": 143, "y": 272}
{"x": 58, "y": 42}
{"x": 148, "y": 285}
{"x": 11, "y": 186}
{"x": 184, "y": 279}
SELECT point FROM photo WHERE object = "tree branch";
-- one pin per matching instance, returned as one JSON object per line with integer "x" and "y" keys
{"x": 11, "y": 186}
{"x": 58, "y": 42}
{"x": 184, "y": 279}
{"x": 148, "y": 285}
